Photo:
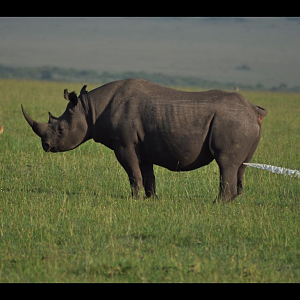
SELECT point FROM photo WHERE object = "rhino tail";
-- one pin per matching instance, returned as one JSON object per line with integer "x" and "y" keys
{"x": 260, "y": 113}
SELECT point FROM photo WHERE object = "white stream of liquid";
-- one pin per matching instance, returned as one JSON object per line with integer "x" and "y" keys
{"x": 274, "y": 169}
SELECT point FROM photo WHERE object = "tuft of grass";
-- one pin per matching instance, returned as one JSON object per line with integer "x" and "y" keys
{"x": 69, "y": 217}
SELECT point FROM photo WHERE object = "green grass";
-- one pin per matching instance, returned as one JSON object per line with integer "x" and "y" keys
{"x": 68, "y": 217}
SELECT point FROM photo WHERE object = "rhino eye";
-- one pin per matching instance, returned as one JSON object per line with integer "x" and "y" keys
{"x": 60, "y": 130}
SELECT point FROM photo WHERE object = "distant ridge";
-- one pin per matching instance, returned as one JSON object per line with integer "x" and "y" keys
{"x": 48, "y": 73}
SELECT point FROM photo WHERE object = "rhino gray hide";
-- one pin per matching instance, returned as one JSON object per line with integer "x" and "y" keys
{"x": 146, "y": 124}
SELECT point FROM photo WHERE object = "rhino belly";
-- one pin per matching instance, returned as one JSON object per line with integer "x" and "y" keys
{"x": 177, "y": 137}
{"x": 177, "y": 153}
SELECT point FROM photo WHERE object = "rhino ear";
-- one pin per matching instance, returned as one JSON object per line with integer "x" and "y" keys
{"x": 66, "y": 94}
{"x": 71, "y": 96}
{"x": 83, "y": 90}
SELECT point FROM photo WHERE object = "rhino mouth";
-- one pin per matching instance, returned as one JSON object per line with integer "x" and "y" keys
{"x": 46, "y": 146}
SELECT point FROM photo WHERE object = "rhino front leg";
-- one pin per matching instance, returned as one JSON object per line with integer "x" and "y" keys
{"x": 127, "y": 157}
{"x": 148, "y": 179}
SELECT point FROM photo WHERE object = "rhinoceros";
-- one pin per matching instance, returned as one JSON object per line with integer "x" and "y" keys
{"x": 146, "y": 124}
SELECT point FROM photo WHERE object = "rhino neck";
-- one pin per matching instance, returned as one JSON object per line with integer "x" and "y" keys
{"x": 102, "y": 101}
{"x": 87, "y": 111}
{"x": 94, "y": 109}
{"x": 85, "y": 104}
{"x": 88, "y": 105}
{"x": 99, "y": 103}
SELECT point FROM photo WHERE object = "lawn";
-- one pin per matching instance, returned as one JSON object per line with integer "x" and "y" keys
{"x": 69, "y": 217}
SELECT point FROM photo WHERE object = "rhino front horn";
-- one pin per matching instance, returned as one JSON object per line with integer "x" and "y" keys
{"x": 37, "y": 127}
{"x": 27, "y": 117}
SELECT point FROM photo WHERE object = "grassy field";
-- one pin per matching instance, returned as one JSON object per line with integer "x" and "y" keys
{"x": 69, "y": 217}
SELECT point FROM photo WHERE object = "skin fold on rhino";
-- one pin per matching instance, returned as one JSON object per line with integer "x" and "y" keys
{"x": 146, "y": 124}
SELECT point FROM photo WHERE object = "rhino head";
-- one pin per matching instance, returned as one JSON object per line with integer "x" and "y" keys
{"x": 66, "y": 132}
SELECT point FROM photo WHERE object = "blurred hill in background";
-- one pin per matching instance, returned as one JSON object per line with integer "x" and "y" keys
{"x": 251, "y": 53}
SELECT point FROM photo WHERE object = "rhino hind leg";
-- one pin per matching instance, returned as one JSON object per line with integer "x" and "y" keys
{"x": 242, "y": 168}
{"x": 228, "y": 183}
{"x": 232, "y": 171}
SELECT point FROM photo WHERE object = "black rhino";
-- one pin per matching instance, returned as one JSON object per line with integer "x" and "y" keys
{"x": 146, "y": 124}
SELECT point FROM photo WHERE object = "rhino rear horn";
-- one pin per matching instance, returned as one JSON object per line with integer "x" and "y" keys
{"x": 51, "y": 117}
